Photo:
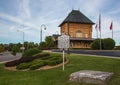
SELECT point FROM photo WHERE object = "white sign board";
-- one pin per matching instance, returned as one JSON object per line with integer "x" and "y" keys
{"x": 63, "y": 42}
{"x": 22, "y": 48}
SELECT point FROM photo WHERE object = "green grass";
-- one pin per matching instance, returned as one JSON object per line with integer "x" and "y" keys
{"x": 58, "y": 77}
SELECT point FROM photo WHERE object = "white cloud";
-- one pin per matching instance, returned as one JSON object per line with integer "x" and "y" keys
{"x": 24, "y": 9}
{"x": 16, "y": 20}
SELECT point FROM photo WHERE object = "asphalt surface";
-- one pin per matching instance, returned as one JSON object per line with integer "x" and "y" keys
{"x": 7, "y": 56}
{"x": 111, "y": 53}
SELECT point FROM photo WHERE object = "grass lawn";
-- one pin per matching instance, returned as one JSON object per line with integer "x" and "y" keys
{"x": 58, "y": 77}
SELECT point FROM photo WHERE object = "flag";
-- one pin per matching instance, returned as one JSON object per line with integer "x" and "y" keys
{"x": 99, "y": 22}
{"x": 111, "y": 26}
{"x": 96, "y": 26}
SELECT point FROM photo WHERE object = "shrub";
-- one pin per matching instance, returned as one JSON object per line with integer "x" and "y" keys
{"x": 108, "y": 44}
{"x": 96, "y": 44}
{"x": 26, "y": 59}
{"x": 12, "y": 63}
{"x": 23, "y": 66}
{"x": 36, "y": 66}
{"x": 13, "y": 53}
{"x": 51, "y": 63}
{"x": 31, "y": 52}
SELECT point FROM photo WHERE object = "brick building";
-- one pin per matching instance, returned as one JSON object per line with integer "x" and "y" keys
{"x": 79, "y": 28}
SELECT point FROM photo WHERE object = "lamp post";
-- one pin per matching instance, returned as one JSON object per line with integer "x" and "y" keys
{"x": 23, "y": 48}
{"x": 41, "y": 31}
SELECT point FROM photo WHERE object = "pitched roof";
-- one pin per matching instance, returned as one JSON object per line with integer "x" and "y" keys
{"x": 76, "y": 16}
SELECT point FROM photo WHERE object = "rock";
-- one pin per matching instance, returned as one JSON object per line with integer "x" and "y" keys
{"x": 89, "y": 76}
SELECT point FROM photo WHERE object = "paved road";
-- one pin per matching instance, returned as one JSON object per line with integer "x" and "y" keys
{"x": 6, "y": 56}
{"x": 96, "y": 52}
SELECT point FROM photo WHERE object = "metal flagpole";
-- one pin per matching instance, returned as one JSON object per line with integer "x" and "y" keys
{"x": 112, "y": 29}
{"x": 100, "y": 30}
{"x": 97, "y": 32}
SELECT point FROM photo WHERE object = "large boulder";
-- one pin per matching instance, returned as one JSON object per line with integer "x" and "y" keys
{"x": 89, "y": 76}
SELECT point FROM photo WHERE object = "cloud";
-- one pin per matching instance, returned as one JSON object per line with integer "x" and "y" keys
{"x": 16, "y": 20}
{"x": 24, "y": 9}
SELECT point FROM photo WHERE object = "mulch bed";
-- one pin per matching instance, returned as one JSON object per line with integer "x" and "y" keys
{"x": 41, "y": 68}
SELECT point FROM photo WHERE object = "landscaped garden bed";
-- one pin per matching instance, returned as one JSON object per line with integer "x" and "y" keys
{"x": 35, "y": 61}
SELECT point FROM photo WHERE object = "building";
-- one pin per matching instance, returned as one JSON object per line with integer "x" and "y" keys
{"x": 79, "y": 28}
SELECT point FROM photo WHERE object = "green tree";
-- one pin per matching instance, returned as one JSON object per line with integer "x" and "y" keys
{"x": 49, "y": 42}
{"x": 2, "y": 48}
{"x": 42, "y": 45}
{"x": 15, "y": 49}
{"x": 108, "y": 44}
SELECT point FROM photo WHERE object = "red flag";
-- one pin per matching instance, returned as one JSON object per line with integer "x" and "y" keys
{"x": 99, "y": 22}
{"x": 111, "y": 26}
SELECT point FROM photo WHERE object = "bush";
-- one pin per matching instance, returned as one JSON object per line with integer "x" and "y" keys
{"x": 51, "y": 63}
{"x": 13, "y": 53}
{"x": 36, "y": 66}
{"x": 12, "y": 63}
{"x": 26, "y": 59}
{"x": 31, "y": 52}
{"x": 96, "y": 44}
{"x": 108, "y": 44}
{"x": 23, "y": 66}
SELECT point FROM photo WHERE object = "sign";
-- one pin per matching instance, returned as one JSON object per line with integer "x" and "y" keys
{"x": 22, "y": 48}
{"x": 64, "y": 42}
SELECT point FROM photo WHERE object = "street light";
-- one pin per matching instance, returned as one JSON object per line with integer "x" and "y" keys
{"x": 23, "y": 40}
{"x": 41, "y": 31}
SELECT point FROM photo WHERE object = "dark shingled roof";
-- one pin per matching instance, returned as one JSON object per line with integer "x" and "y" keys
{"x": 76, "y": 16}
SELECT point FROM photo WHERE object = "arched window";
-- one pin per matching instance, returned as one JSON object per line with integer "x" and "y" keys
{"x": 78, "y": 33}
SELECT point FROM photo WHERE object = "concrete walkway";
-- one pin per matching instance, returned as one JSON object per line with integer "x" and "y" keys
{"x": 7, "y": 56}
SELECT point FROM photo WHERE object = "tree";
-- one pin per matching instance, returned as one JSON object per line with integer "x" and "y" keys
{"x": 108, "y": 44}
{"x": 15, "y": 49}
{"x": 42, "y": 45}
{"x": 49, "y": 42}
{"x": 2, "y": 48}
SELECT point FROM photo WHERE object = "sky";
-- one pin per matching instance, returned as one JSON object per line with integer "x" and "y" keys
{"x": 28, "y": 16}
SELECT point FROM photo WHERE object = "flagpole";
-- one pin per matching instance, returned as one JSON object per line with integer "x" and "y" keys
{"x": 112, "y": 29}
{"x": 100, "y": 30}
{"x": 100, "y": 41}
{"x": 97, "y": 32}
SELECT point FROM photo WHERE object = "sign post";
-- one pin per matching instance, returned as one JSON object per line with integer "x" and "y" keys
{"x": 64, "y": 44}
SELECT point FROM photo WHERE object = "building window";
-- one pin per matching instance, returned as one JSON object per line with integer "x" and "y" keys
{"x": 71, "y": 34}
{"x": 78, "y": 33}
{"x": 86, "y": 35}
